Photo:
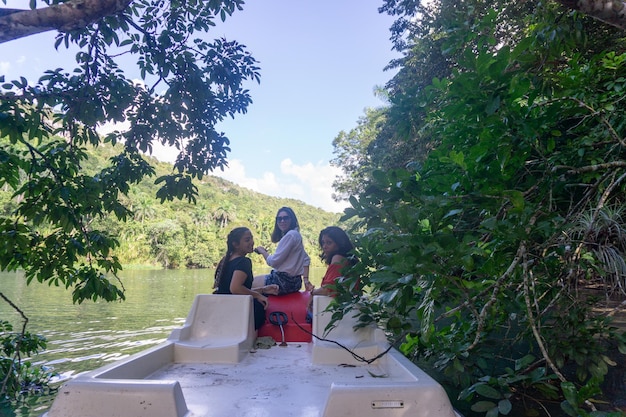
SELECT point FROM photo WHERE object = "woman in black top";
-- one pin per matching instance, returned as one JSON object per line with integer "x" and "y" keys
{"x": 234, "y": 273}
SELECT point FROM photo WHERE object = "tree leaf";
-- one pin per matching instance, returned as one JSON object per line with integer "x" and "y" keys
{"x": 488, "y": 391}
{"x": 483, "y": 406}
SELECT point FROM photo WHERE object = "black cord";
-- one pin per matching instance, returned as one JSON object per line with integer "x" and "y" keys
{"x": 354, "y": 355}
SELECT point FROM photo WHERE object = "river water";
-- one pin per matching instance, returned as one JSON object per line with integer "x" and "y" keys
{"x": 82, "y": 337}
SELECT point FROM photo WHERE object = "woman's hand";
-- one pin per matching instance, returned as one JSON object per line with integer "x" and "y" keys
{"x": 263, "y": 300}
{"x": 309, "y": 307}
{"x": 261, "y": 251}
{"x": 308, "y": 285}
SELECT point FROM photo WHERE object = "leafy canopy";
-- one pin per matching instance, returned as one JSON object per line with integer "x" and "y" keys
{"x": 181, "y": 87}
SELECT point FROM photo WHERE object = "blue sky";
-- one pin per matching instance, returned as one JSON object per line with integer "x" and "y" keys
{"x": 320, "y": 62}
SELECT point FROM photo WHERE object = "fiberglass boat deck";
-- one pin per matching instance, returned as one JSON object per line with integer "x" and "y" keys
{"x": 211, "y": 368}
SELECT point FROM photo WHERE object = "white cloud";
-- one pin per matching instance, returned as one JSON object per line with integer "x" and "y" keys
{"x": 311, "y": 183}
{"x": 4, "y": 68}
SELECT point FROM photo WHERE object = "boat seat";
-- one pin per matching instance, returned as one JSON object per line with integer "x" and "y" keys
{"x": 219, "y": 329}
{"x": 294, "y": 306}
{"x": 366, "y": 342}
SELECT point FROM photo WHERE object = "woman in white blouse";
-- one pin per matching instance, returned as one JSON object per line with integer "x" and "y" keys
{"x": 290, "y": 263}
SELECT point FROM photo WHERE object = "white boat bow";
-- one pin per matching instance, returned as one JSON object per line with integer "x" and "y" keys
{"x": 210, "y": 368}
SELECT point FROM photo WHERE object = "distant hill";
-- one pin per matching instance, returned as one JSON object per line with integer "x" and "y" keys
{"x": 179, "y": 234}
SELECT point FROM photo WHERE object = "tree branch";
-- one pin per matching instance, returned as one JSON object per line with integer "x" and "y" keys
{"x": 75, "y": 14}
{"x": 612, "y": 12}
{"x": 17, "y": 360}
{"x": 591, "y": 168}
{"x": 493, "y": 288}
{"x": 531, "y": 317}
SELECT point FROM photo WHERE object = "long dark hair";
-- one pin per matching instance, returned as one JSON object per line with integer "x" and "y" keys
{"x": 277, "y": 234}
{"x": 344, "y": 245}
{"x": 234, "y": 236}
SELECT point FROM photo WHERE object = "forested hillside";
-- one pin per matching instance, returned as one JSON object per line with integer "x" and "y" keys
{"x": 179, "y": 234}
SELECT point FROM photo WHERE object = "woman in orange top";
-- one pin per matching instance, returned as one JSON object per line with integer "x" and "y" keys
{"x": 336, "y": 247}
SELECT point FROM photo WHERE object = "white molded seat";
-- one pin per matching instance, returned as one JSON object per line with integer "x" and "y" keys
{"x": 219, "y": 329}
{"x": 366, "y": 342}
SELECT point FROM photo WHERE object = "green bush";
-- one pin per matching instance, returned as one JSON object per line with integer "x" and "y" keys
{"x": 20, "y": 378}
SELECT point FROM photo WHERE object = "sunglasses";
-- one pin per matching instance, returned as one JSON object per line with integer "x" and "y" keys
{"x": 282, "y": 218}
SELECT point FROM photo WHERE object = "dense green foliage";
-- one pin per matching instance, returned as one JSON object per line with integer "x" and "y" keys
{"x": 491, "y": 203}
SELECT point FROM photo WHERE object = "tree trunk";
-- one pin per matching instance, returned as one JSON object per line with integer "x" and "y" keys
{"x": 75, "y": 14}
{"x": 612, "y": 12}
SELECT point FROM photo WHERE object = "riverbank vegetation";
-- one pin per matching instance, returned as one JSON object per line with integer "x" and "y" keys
{"x": 490, "y": 196}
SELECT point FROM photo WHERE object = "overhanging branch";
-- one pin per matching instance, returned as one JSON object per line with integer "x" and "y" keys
{"x": 75, "y": 14}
